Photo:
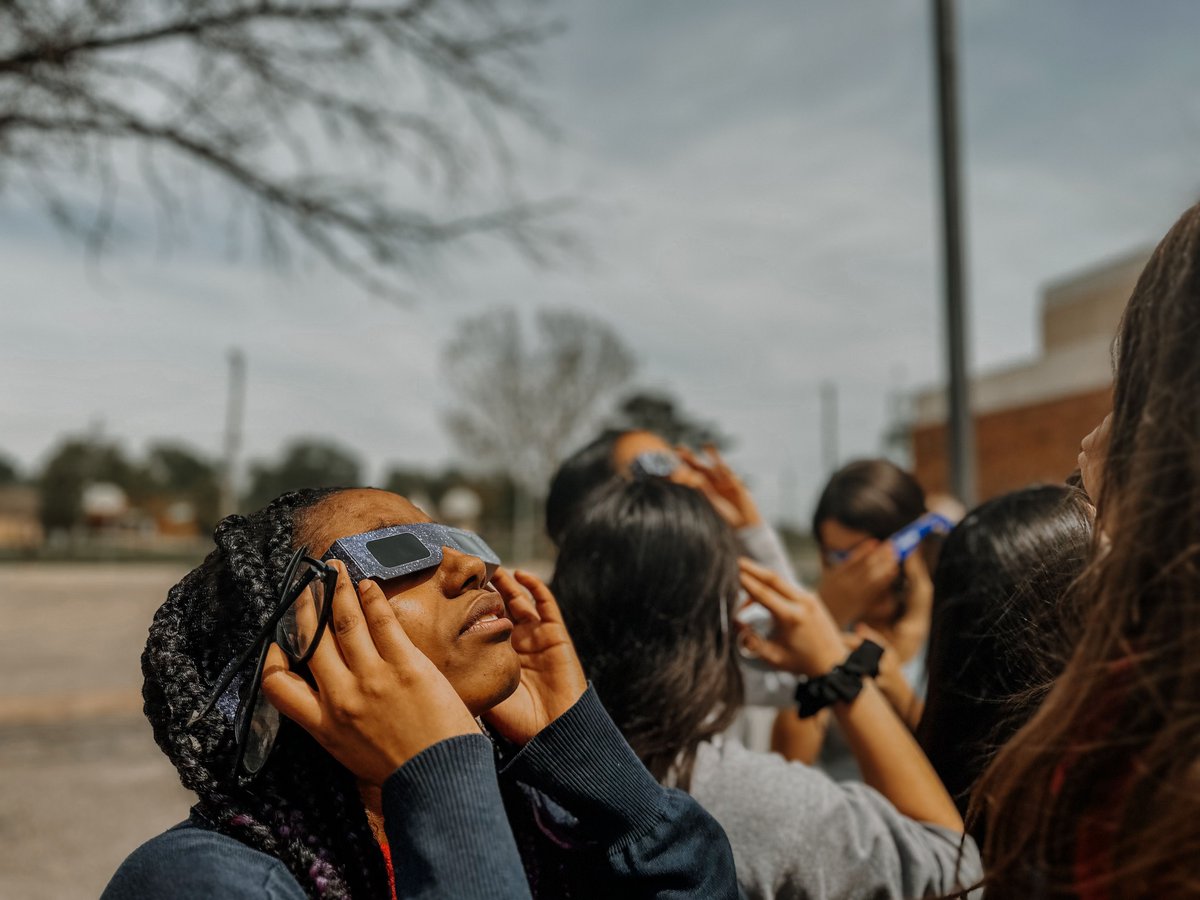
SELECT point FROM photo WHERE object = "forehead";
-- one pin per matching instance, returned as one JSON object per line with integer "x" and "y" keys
{"x": 633, "y": 444}
{"x": 353, "y": 512}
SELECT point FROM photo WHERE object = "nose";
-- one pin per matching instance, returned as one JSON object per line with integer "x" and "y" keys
{"x": 460, "y": 572}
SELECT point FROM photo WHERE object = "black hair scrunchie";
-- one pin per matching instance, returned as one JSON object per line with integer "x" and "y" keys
{"x": 843, "y": 684}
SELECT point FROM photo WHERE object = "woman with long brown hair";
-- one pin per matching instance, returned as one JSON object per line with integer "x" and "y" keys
{"x": 648, "y": 577}
{"x": 1099, "y": 795}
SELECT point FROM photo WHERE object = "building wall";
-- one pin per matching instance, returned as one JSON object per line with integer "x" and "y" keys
{"x": 1089, "y": 304}
{"x": 1015, "y": 447}
{"x": 1029, "y": 417}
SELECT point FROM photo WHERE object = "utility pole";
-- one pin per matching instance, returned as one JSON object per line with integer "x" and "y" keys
{"x": 959, "y": 431}
{"x": 829, "y": 427}
{"x": 234, "y": 409}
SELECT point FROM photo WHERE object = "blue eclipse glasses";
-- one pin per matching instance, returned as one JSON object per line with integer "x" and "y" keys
{"x": 400, "y": 550}
{"x": 904, "y": 541}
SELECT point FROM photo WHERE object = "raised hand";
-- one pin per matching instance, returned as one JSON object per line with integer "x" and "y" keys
{"x": 379, "y": 701}
{"x": 908, "y": 633}
{"x": 805, "y": 641}
{"x": 721, "y": 485}
{"x": 858, "y": 587}
{"x": 551, "y": 677}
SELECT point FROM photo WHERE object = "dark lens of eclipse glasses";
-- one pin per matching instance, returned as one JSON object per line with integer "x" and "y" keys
{"x": 398, "y": 550}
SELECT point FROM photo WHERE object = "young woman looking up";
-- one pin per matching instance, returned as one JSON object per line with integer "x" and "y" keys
{"x": 649, "y": 577}
{"x": 1002, "y": 628}
{"x": 1099, "y": 795}
{"x": 632, "y": 454}
{"x": 635, "y": 454}
{"x": 865, "y": 503}
{"x": 865, "y": 586}
{"x": 389, "y": 778}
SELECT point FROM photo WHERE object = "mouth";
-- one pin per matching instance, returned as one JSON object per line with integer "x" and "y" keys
{"x": 486, "y": 616}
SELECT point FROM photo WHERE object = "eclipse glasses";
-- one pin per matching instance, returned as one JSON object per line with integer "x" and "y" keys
{"x": 403, "y": 549}
{"x": 904, "y": 541}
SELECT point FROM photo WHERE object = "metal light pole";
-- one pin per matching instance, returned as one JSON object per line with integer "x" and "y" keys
{"x": 960, "y": 437}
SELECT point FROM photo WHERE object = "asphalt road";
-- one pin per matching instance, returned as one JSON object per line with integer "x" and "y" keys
{"x": 81, "y": 781}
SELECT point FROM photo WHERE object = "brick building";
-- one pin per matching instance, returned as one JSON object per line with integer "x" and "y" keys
{"x": 1030, "y": 417}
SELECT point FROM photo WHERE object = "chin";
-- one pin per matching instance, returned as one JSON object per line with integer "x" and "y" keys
{"x": 492, "y": 683}
{"x": 509, "y": 685}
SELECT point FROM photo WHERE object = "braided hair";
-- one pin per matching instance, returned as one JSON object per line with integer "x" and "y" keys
{"x": 303, "y": 808}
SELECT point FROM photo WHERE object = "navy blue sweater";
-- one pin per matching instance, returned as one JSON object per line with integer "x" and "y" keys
{"x": 574, "y": 813}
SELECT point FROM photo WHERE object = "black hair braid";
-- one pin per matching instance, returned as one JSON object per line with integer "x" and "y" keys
{"x": 303, "y": 808}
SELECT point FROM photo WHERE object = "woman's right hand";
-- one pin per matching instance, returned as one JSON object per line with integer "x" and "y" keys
{"x": 379, "y": 701}
{"x": 806, "y": 640}
{"x": 855, "y": 588}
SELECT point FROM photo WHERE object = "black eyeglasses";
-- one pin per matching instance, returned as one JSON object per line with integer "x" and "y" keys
{"x": 297, "y": 623}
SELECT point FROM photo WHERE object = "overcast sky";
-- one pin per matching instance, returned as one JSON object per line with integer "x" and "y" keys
{"x": 758, "y": 191}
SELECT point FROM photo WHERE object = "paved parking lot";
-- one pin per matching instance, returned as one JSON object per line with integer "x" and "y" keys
{"x": 81, "y": 781}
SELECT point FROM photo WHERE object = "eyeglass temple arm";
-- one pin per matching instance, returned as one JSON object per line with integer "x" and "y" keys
{"x": 232, "y": 670}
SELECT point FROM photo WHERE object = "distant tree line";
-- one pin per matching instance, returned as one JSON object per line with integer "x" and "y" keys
{"x": 171, "y": 472}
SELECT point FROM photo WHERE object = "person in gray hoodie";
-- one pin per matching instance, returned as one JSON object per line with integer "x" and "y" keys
{"x": 649, "y": 579}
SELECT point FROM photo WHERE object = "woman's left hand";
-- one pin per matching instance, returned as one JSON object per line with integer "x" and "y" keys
{"x": 907, "y": 634}
{"x": 552, "y": 679}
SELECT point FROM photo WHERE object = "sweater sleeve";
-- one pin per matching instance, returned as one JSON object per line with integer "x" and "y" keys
{"x": 798, "y": 834}
{"x": 765, "y": 686}
{"x": 635, "y": 838}
{"x": 446, "y": 823}
{"x": 763, "y": 544}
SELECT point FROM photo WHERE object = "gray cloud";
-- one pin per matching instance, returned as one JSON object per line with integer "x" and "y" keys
{"x": 758, "y": 192}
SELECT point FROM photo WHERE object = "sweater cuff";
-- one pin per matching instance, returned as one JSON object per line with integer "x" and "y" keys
{"x": 763, "y": 544}
{"x": 581, "y": 761}
{"x": 443, "y": 813}
{"x": 465, "y": 758}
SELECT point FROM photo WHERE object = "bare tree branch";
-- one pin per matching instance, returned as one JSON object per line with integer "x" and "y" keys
{"x": 330, "y": 122}
{"x": 520, "y": 406}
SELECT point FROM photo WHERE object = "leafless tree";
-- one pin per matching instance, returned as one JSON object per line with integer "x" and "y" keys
{"x": 353, "y": 129}
{"x": 522, "y": 404}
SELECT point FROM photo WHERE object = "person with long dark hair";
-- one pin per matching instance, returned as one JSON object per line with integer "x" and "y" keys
{"x": 1002, "y": 629}
{"x": 649, "y": 580}
{"x": 1098, "y": 796}
{"x": 636, "y": 454}
{"x": 380, "y": 637}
